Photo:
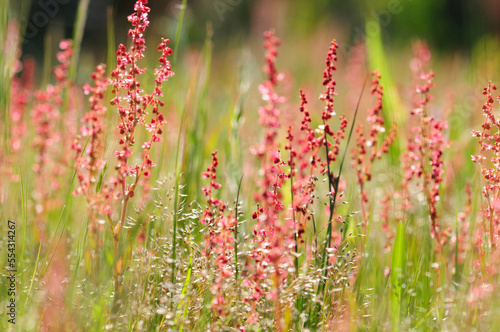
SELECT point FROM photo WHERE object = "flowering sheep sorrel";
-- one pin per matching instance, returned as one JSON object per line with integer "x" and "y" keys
{"x": 133, "y": 106}
{"x": 313, "y": 214}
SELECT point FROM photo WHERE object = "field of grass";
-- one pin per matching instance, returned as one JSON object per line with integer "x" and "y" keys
{"x": 293, "y": 181}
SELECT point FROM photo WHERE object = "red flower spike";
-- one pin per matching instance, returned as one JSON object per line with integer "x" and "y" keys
{"x": 368, "y": 147}
{"x": 489, "y": 161}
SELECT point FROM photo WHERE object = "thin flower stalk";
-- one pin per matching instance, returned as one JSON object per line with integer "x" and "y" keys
{"x": 368, "y": 148}
{"x": 91, "y": 163}
{"x": 424, "y": 158}
{"x": 21, "y": 95}
{"x": 331, "y": 141}
{"x": 46, "y": 116}
{"x": 271, "y": 238}
{"x": 219, "y": 240}
{"x": 304, "y": 163}
{"x": 21, "y": 92}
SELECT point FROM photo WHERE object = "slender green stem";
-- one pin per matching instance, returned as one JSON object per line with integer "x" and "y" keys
{"x": 110, "y": 27}
{"x": 24, "y": 213}
{"x": 81, "y": 18}
{"x": 176, "y": 197}
{"x": 236, "y": 234}
{"x": 33, "y": 276}
{"x": 296, "y": 231}
{"x": 179, "y": 27}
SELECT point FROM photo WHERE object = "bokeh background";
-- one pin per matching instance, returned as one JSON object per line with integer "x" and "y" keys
{"x": 447, "y": 25}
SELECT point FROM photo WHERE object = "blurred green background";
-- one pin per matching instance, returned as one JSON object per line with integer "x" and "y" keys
{"x": 447, "y": 25}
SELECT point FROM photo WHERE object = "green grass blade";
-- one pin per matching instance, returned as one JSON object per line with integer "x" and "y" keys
{"x": 80, "y": 248}
{"x": 24, "y": 213}
{"x": 179, "y": 27}
{"x": 47, "y": 59}
{"x": 397, "y": 273}
{"x": 54, "y": 243}
{"x": 236, "y": 234}
{"x": 81, "y": 18}
{"x": 110, "y": 27}
{"x": 5, "y": 76}
{"x": 178, "y": 156}
{"x": 377, "y": 59}
{"x": 33, "y": 276}
{"x": 394, "y": 110}
{"x": 184, "y": 292}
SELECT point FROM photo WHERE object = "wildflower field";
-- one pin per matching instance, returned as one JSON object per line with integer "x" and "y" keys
{"x": 235, "y": 165}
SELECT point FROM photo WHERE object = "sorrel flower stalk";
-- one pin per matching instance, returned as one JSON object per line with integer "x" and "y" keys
{"x": 132, "y": 104}
{"x": 219, "y": 240}
{"x": 462, "y": 238}
{"x": 489, "y": 161}
{"x": 269, "y": 118}
{"x": 426, "y": 148}
{"x": 20, "y": 96}
{"x": 273, "y": 241}
{"x": 46, "y": 120}
{"x": 324, "y": 137}
{"x": 418, "y": 65}
{"x": 271, "y": 237}
{"x": 89, "y": 164}
{"x": 21, "y": 93}
{"x": 368, "y": 148}
{"x": 293, "y": 190}
{"x": 330, "y": 140}
{"x": 305, "y": 157}
{"x": 304, "y": 163}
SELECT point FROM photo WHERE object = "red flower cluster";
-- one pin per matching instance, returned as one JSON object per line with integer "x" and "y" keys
{"x": 267, "y": 152}
{"x": 219, "y": 238}
{"x": 329, "y": 111}
{"x": 46, "y": 116}
{"x": 20, "y": 96}
{"x": 215, "y": 207}
{"x": 271, "y": 237}
{"x": 304, "y": 178}
{"x": 308, "y": 154}
{"x": 132, "y": 103}
{"x": 489, "y": 160}
{"x": 424, "y": 149}
{"x": 367, "y": 147}
{"x": 90, "y": 162}
{"x": 269, "y": 115}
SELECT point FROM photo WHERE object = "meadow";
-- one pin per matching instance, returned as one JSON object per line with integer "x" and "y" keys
{"x": 297, "y": 180}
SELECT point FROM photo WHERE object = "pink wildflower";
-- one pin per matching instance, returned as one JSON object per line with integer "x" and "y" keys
{"x": 219, "y": 238}
{"x": 426, "y": 148}
{"x": 489, "y": 161}
{"x": 46, "y": 120}
{"x": 367, "y": 147}
{"x": 91, "y": 162}
{"x": 132, "y": 104}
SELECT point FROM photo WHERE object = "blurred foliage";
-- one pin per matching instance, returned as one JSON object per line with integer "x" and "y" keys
{"x": 445, "y": 24}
